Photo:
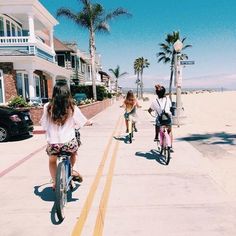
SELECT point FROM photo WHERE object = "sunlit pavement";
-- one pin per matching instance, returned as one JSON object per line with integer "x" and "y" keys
{"x": 127, "y": 188}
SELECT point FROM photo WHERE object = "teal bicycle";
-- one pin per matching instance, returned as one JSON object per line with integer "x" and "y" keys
{"x": 64, "y": 183}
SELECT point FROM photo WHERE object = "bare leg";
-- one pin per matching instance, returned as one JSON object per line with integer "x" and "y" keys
{"x": 76, "y": 174}
{"x": 126, "y": 124}
{"x": 171, "y": 135}
{"x": 53, "y": 168}
{"x": 73, "y": 159}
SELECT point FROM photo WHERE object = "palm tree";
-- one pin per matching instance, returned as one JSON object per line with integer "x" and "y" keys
{"x": 137, "y": 69}
{"x": 93, "y": 17}
{"x": 141, "y": 63}
{"x": 167, "y": 54}
{"x": 117, "y": 74}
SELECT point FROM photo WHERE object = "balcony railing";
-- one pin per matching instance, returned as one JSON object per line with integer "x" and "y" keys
{"x": 23, "y": 45}
{"x": 13, "y": 40}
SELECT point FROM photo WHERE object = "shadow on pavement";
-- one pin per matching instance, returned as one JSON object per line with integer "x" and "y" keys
{"x": 123, "y": 138}
{"x": 48, "y": 195}
{"x": 152, "y": 155}
{"x": 212, "y": 138}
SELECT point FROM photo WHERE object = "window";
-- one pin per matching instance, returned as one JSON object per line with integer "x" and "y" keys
{"x": 1, "y": 27}
{"x": 73, "y": 60}
{"x": 22, "y": 84}
{"x": 37, "y": 86}
{"x": 19, "y": 84}
{"x": 26, "y": 83}
{"x": 8, "y": 28}
{"x": 13, "y": 29}
{"x": 19, "y": 31}
{"x": 61, "y": 60}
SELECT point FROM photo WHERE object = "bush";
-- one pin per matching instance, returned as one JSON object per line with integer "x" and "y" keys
{"x": 18, "y": 101}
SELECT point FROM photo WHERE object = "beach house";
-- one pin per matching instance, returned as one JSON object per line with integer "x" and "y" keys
{"x": 28, "y": 64}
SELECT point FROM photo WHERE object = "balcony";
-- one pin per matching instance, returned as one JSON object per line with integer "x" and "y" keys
{"x": 22, "y": 46}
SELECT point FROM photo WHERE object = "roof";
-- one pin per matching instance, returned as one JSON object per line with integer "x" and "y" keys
{"x": 103, "y": 73}
{"x": 60, "y": 46}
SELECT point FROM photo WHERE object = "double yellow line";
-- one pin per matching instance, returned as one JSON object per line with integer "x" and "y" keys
{"x": 98, "y": 229}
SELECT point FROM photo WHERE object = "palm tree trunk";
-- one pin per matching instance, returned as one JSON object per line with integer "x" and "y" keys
{"x": 137, "y": 83}
{"x": 92, "y": 55}
{"x": 116, "y": 85}
{"x": 141, "y": 86}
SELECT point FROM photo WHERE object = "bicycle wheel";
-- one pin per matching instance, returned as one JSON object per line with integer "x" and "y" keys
{"x": 130, "y": 137}
{"x": 132, "y": 130}
{"x": 61, "y": 193}
{"x": 167, "y": 155}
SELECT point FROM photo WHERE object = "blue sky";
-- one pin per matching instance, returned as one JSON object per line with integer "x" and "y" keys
{"x": 209, "y": 25}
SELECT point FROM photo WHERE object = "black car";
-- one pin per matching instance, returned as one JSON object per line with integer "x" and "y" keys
{"x": 14, "y": 122}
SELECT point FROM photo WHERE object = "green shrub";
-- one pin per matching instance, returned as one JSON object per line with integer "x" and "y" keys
{"x": 18, "y": 101}
{"x": 102, "y": 92}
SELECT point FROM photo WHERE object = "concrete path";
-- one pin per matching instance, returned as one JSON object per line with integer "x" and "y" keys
{"x": 127, "y": 189}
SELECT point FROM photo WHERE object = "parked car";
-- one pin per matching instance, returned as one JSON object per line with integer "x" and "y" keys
{"x": 14, "y": 122}
{"x": 79, "y": 97}
{"x": 37, "y": 101}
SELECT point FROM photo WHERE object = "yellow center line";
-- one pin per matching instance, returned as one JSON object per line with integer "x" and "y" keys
{"x": 98, "y": 230}
{"x": 86, "y": 208}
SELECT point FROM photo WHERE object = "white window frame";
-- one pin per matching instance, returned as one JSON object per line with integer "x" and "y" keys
{"x": 23, "y": 73}
{"x": 3, "y": 86}
{"x": 12, "y": 22}
{"x": 37, "y": 79}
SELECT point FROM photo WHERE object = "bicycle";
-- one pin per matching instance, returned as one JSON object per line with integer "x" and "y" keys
{"x": 164, "y": 142}
{"x": 131, "y": 125}
{"x": 64, "y": 183}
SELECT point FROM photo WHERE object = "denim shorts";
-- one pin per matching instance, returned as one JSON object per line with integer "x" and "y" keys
{"x": 56, "y": 148}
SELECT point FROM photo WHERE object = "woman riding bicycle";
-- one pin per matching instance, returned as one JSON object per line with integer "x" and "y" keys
{"x": 130, "y": 104}
{"x": 160, "y": 104}
{"x": 59, "y": 119}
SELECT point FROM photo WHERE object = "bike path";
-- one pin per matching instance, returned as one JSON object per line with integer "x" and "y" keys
{"x": 127, "y": 190}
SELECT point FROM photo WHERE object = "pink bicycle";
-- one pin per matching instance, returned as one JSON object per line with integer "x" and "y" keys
{"x": 164, "y": 142}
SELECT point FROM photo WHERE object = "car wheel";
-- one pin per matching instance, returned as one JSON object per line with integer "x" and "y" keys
{"x": 3, "y": 134}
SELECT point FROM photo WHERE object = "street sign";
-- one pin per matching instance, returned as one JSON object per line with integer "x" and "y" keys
{"x": 187, "y": 63}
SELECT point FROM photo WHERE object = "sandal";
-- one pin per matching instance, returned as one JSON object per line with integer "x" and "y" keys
{"x": 77, "y": 176}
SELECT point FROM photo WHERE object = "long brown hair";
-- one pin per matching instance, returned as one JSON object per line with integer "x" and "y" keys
{"x": 130, "y": 98}
{"x": 61, "y": 105}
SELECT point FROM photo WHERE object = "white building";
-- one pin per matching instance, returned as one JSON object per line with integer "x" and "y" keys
{"x": 27, "y": 56}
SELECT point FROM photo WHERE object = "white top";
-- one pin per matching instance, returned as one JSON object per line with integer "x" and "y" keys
{"x": 159, "y": 108}
{"x": 62, "y": 133}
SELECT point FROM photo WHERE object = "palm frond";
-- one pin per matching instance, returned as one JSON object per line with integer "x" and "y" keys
{"x": 117, "y": 12}
{"x": 102, "y": 27}
{"x": 187, "y": 46}
{"x": 67, "y": 13}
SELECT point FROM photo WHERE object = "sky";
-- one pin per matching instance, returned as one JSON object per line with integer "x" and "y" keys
{"x": 208, "y": 25}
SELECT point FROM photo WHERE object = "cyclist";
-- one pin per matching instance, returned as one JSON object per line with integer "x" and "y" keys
{"x": 161, "y": 103}
{"x": 130, "y": 104}
{"x": 59, "y": 119}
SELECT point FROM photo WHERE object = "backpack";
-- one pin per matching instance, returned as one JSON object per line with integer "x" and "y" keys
{"x": 164, "y": 118}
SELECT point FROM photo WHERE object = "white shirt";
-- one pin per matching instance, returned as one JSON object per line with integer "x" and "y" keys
{"x": 158, "y": 108}
{"x": 62, "y": 133}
